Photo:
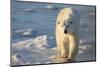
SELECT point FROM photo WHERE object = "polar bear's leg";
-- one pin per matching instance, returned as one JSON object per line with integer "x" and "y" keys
{"x": 58, "y": 46}
{"x": 58, "y": 50}
{"x": 64, "y": 50}
{"x": 73, "y": 47}
{"x": 61, "y": 48}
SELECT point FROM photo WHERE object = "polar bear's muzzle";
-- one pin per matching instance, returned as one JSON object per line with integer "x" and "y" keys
{"x": 65, "y": 29}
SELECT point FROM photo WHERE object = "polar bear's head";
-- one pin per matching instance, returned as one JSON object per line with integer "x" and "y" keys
{"x": 68, "y": 20}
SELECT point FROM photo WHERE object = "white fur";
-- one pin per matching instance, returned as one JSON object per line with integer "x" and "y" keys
{"x": 67, "y": 44}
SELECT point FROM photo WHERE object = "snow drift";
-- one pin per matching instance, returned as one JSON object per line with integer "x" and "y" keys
{"x": 35, "y": 51}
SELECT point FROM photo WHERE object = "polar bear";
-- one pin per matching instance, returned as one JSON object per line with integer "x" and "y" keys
{"x": 67, "y": 27}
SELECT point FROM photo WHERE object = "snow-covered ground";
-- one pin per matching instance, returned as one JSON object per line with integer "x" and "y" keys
{"x": 36, "y": 51}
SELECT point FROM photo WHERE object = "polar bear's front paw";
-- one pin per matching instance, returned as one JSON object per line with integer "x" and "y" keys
{"x": 64, "y": 55}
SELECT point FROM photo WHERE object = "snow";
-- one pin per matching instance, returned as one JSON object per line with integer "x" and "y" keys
{"x": 49, "y": 6}
{"x": 24, "y": 32}
{"x": 35, "y": 51}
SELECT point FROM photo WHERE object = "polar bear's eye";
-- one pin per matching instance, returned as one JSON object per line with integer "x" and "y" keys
{"x": 64, "y": 23}
{"x": 58, "y": 22}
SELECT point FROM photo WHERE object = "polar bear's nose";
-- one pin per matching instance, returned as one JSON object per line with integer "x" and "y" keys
{"x": 65, "y": 31}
